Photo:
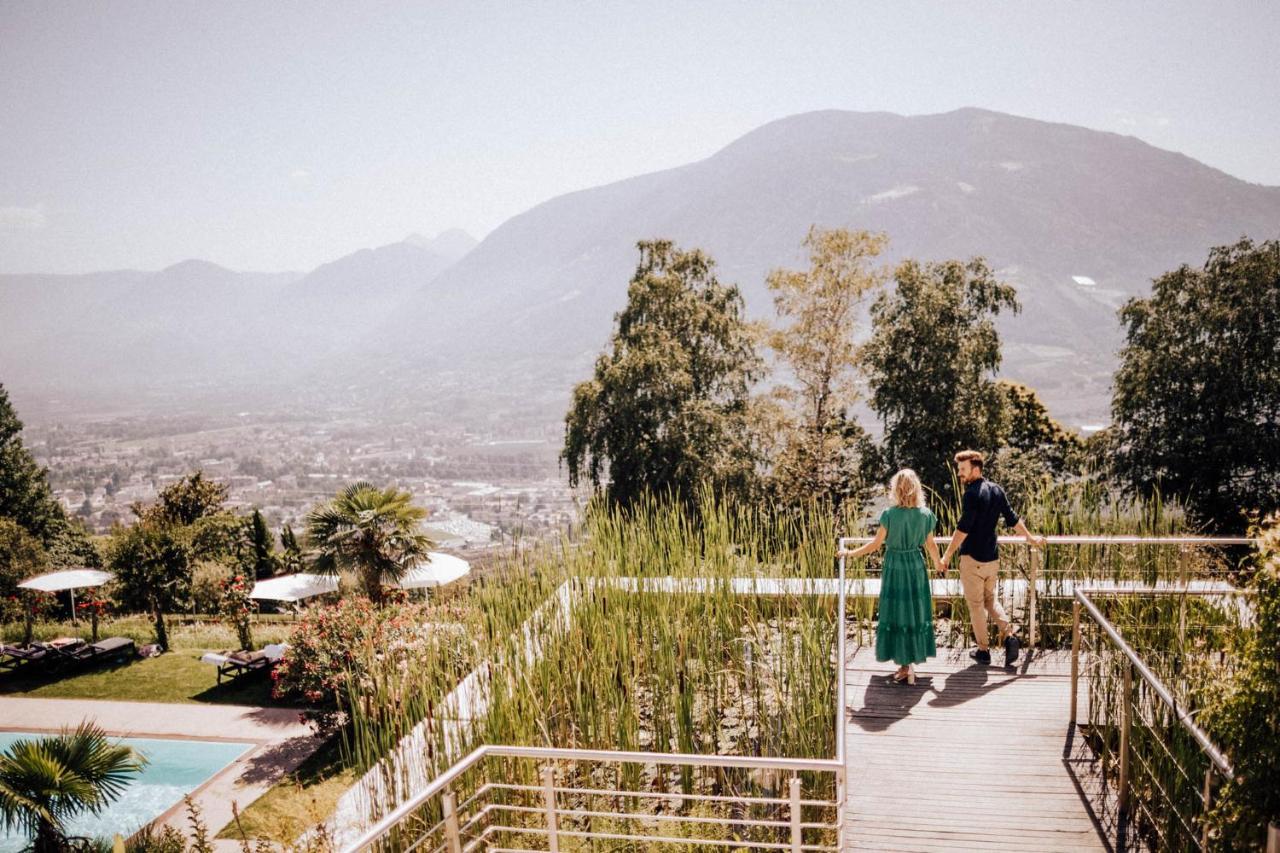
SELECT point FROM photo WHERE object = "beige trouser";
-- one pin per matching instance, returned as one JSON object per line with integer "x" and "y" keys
{"x": 978, "y": 580}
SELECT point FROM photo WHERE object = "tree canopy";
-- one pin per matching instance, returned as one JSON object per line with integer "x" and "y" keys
{"x": 666, "y": 411}
{"x": 372, "y": 532}
{"x": 931, "y": 364}
{"x": 25, "y": 497}
{"x": 1196, "y": 401}
{"x": 822, "y": 450}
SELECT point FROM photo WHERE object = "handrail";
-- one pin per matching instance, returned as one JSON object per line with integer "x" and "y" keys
{"x": 1083, "y": 540}
{"x": 1215, "y": 755}
{"x": 441, "y": 782}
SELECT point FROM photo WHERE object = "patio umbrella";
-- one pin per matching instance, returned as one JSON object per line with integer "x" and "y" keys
{"x": 437, "y": 570}
{"x": 294, "y": 588}
{"x": 69, "y": 579}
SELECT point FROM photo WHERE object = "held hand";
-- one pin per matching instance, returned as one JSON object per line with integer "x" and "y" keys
{"x": 1037, "y": 541}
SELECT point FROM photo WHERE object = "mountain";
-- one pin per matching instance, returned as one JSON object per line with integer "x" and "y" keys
{"x": 450, "y": 245}
{"x": 1079, "y": 220}
{"x": 196, "y": 324}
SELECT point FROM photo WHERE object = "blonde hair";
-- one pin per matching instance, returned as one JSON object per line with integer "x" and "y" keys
{"x": 905, "y": 489}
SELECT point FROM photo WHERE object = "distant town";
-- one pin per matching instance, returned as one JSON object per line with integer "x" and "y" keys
{"x": 483, "y": 486}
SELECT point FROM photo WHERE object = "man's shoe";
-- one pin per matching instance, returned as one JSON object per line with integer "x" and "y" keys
{"x": 982, "y": 656}
{"x": 1011, "y": 649}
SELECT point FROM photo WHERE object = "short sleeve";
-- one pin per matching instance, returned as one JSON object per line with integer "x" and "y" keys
{"x": 884, "y": 519}
{"x": 930, "y": 521}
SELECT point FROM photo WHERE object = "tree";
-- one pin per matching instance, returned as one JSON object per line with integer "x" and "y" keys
{"x": 152, "y": 562}
{"x": 261, "y": 548}
{"x": 21, "y": 556}
{"x": 47, "y": 781}
{"x": 291, "y": 560}
{"x": 823, "y": 452}
{"x": 931, "y": 363}
{"x": 667, "y": 408}
{"x": 187, "y": 501}
{"x": 26, "y": 498}
{"x": 1196, "y": 400}
{"x": 370, "y": 531}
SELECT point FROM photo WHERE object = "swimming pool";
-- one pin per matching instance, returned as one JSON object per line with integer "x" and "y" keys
{"x": 174, "y": 768}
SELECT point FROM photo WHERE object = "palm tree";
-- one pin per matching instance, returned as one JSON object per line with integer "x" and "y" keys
{"x": 46, "y": 782}
{"x": 370, "y": 531}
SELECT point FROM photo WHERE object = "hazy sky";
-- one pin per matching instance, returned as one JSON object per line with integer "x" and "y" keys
{"x": 282, "y": 135}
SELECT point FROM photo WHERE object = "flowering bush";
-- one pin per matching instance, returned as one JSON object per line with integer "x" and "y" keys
{"x": 235, "y": 607}
{"x": 333, "y": 650}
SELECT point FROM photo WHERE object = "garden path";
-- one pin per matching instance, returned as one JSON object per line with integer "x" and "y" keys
{"x": 969, "y": 758}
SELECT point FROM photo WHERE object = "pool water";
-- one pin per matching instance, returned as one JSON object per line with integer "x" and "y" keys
{"x": 174, "y": 768}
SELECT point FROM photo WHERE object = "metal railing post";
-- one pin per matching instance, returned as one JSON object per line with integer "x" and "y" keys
{"x": 1126, "y": 719}
{"x": 1075, "y": 658}
{"x": 1184, "y": 575}
{"x": 1034, "y": 556}
{"x": 453, "y": 838}
{"x": 1208, "y": 801}
{"x": 549, "y": 800}
{"x": 797, "y": 836}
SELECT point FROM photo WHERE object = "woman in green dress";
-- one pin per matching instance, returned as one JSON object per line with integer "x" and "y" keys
{"x": 904, "y": 633}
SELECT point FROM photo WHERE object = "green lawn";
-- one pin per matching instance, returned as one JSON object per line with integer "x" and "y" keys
{"x": 298, "y": 802}
{"x": 174, "y": 677}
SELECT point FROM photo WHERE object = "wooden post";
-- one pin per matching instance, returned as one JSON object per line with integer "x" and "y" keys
{"x": 797, "y": 836}
{"x": 452, "y": 836}
{"x": 1075, "y": 657}
{"x": 1126, "y": 718}
{"x": 1273, "y": 838}
{"x": 549, "y": 800}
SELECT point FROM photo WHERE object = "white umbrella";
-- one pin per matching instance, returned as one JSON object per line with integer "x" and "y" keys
{"x": 437, "y": 570}
{"x": 294, "y": 587}
{"x": 70, "y": 579}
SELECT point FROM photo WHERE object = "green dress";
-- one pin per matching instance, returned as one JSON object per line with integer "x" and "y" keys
{"x": 904, "y": 633}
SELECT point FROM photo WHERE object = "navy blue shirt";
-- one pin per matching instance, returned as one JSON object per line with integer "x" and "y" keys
{"x": 983, "y": 505}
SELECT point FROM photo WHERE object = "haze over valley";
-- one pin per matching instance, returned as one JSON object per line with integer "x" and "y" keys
{"x": 426, "y": 354}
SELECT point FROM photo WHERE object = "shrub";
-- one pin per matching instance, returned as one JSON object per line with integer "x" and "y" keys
{"x": 332, "y": 649}
{"x": 1244, "y": 714}
{"x": 235, "y": 607}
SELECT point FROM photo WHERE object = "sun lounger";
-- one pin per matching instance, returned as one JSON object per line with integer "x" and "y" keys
{"x": 13, "y": 657}
{"x": 112, "y": 649}
{"x": 232, "y": 664}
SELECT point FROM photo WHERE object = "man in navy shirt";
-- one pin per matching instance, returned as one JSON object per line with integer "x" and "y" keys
{"x": 983, "y": 505}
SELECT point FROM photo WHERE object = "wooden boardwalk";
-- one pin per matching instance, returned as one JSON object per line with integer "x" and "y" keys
{"x": 970, "y": 758}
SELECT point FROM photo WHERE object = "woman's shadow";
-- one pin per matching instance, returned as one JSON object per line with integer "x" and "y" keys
{"x": 885, "y": 702}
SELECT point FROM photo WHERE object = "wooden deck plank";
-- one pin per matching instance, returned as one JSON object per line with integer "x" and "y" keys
{"x": 970, "y": 758}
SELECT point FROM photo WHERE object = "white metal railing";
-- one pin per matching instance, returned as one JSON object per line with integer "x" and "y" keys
{"x": 433, "y": 818}
{"x": 1035, "y": 559}
{"x": 487, "y": 816}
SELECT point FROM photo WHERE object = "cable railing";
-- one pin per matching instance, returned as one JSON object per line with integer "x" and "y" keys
{"x": 523, "y": 798}
{"x": 1161, "y": 767}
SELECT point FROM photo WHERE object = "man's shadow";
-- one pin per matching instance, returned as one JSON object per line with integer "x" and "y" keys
{"x": 885, "y": 703}
{"x": 974, "y": 681}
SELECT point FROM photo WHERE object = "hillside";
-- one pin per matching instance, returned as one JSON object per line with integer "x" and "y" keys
{"x": 1043, "y": 202}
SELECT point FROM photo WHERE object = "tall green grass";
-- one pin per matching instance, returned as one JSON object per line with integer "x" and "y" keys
{"x": 696, "y": 671}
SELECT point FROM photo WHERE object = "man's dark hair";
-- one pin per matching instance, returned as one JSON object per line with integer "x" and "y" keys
{"x": 973, "y": 457}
